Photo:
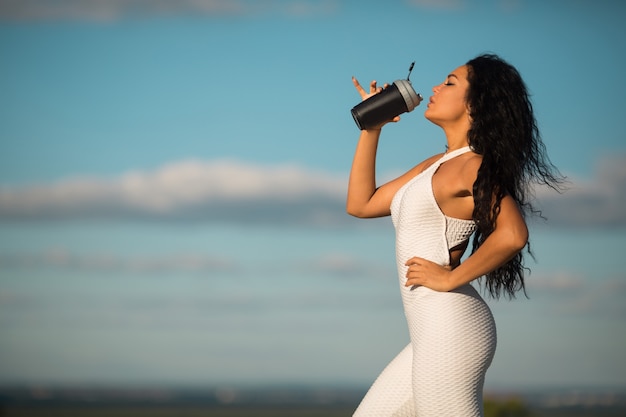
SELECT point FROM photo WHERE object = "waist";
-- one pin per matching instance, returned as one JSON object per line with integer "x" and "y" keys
{"x": 466, "y": 294}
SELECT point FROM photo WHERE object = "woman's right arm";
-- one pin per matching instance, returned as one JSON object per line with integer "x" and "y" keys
{"x": 365, "y": 199}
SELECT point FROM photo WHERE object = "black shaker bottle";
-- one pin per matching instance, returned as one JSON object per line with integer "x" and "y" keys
{"x": 398, "y": 98}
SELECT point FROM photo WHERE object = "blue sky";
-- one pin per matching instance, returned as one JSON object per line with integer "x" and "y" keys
{"x": 172, "y": 177}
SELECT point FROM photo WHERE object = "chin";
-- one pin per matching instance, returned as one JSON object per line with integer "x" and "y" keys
{"x": 432, "y": 119}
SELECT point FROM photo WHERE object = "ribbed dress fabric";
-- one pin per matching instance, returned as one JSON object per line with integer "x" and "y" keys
{"x": 441, "y": 372}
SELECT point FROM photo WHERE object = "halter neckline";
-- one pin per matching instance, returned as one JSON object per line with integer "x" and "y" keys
{"x": 457, "y": 151}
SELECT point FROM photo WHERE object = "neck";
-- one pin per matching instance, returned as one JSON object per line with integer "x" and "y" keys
{"x": 454, "y": 142}
{"x": 456, "y": 134}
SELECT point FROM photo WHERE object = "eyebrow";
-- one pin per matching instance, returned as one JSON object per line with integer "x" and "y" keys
{"x": 452, "y": 75}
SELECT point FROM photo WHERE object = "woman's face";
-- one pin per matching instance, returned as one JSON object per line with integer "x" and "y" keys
{"x": 447, "y": 105}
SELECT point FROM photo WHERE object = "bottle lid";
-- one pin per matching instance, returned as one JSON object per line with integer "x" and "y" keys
{"x": 411, "y": 98}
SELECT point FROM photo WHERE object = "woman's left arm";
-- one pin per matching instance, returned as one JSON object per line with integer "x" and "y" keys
{"x": 508, "y": 238}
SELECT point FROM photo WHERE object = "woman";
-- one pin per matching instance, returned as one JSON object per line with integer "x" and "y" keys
{"x": 478, "y": 186}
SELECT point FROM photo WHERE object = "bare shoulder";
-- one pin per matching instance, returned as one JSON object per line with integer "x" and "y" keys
{"x": 473, "y": 161}
{"x": 471, "y": 164}
{"x": 469, "y": 169}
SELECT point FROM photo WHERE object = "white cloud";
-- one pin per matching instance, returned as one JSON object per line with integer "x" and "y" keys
{"x": 334, "y": 264}
{"x": 438, "y": 4}
{"x": 506, "y": 6}
{"x": 109, "y": 262}
{"x": 348, "y": 266}
{"x": 106, "y": 10}
{"x": 557, "y": 283}
{"x": 187, "y": 190}
{"x": 568, "y": 294}
{"x": 593, "y": 202}
{"x": 234, "y": 191}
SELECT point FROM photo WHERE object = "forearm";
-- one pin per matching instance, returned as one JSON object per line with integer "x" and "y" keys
{"x": 507, "y": 240}
{"x": 362, "y": 182}
{"x": 489, "y": 257}
{"x": 496, "y": 251}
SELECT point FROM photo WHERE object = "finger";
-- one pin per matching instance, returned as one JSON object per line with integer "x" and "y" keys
{"x": 413, "y": 261}
{"x": 412, "y": 281}
{"x": 414, "y": 272}
{"x": 358, "y": 87}
{"x": 373, "y": 87}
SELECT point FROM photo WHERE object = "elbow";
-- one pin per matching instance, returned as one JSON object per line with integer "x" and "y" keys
{"x": 522, "y": 234}
{"x": 351, "y": 213}
{"x": 518, "y": 238}
{"x": 364, "y": 210}
{"x": 358, "y": 210}
{"x": 354, "y": 212}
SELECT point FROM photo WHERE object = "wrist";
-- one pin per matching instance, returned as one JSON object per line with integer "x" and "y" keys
{"x": 372, "y": 131}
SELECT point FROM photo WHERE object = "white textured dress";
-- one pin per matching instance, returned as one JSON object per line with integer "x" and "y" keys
{"x": 453, "y": 336}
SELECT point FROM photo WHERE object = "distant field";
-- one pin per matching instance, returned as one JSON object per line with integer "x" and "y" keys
{"x": 273, "y": 402}
{"x": 174, "y": 412}
{"x": 591, "y": 412}
{"x": 146, "y": 411}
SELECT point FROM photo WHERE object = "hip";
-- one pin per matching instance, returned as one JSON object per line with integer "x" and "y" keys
{"x": 459, "y": 305}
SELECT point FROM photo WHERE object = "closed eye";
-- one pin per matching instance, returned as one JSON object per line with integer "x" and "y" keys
{"x": 448, "y": 80}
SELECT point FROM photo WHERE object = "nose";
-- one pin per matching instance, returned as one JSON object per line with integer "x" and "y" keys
{"x": 436, "y": 88}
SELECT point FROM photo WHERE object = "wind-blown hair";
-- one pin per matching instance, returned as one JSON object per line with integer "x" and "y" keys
{"x": 504, "y": 132}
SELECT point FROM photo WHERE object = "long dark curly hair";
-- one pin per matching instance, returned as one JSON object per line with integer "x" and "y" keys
{"x": 504, "y": 132}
